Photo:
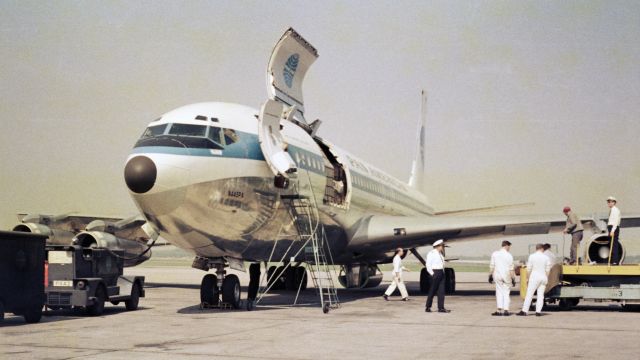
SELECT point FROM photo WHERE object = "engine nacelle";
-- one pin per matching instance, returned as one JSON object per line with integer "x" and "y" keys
{"x": 132, "y": 249}
{"x": 598, "y": 249}
{"x": 359, "y": 276}
{"x": 56, "y": 236}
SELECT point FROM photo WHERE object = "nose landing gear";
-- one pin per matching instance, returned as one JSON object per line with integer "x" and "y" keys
{"x": 213, "y": 287}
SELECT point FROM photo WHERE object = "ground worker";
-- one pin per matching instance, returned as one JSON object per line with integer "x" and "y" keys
{"x": 538, "y": 267}
{"x": 574, "y": 227}
{"x": 613, "y": 226}
{"x": 397, "y": 277}
{"x": 502, "y": 273}
{"x": 435, "y": 268}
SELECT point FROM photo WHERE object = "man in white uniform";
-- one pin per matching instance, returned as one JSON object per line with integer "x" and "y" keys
{"x": 613, "y": 225}
{"x": 435, "y": 268}
{"x": 538, "y": 267}
{"x": 501, "y": 269}
{"x": 397, "y": 277}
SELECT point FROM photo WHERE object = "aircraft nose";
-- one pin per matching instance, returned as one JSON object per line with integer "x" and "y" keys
{"x": 140, "y": 174}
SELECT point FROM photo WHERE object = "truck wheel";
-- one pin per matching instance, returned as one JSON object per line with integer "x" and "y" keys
{"x": 98, "y": 304}
{"x": 33, "y": 314}
{"x": 132, "y": 303}
{"x": 231, "y": 291}
{"x": 209, "y": 293}
{"x": 1, "y": 311}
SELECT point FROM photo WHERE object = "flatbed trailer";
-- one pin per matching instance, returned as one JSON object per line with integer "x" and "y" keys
{"x": 568, "y": 284}
{"x": 86, "y": 278}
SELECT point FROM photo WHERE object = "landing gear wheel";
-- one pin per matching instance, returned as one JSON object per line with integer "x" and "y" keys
{"x": 290, "y": 278}
{"x": 279, "y": 281}
{"x": 33, "y": 314}
{"x": 271, "y": 278}
{"x": 301, "y": 278}
{"x": 425, "y": 281}
{"x": 231, "y": 291}
{"x": 132, "y": 303}
{"x": 325, "y": 308}
{"x": 1, "y": 311}
{"x": 98, "y": 304}
{"x": 449, "y": 281}
{"x": 209, "y": 293}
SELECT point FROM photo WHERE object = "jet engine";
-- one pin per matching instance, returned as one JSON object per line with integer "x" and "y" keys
{"x": 56, "y": 236}
{"x": 598, "y": 249}
{"x": 134, "y": 251}
{"x": 360, "y": 276}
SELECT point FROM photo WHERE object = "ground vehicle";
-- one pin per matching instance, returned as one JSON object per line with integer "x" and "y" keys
{"x": 22, "y": 274}
{"x": 87, "y": 278}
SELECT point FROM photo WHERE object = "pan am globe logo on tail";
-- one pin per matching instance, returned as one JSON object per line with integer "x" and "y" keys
{"x": 290, "y": 69}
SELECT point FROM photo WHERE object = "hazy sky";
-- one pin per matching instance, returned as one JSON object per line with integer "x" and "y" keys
{"x": 528, "y": 101}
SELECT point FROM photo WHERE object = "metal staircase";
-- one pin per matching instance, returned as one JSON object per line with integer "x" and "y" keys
{"x": 305, "y": 216}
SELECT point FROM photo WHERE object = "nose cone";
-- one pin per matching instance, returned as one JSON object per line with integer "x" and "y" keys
{"x": 140, "y": 174}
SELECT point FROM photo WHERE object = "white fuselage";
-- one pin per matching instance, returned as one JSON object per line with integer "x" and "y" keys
{"x": 200, "y": 179}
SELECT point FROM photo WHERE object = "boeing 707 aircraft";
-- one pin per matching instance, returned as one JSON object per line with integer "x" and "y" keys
{"x": 217, "y": 179}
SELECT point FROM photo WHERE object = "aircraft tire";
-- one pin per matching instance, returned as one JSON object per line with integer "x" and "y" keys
{"x": 290, "y": 278}
{"x": 1, "y": 311}
{"x": 231, "y": 290}
{"x": 280, "y": 279}
{"x": 425, "y": 281}
{"x": 33, "y": 314}
{"x": 209, "y": 293}
{"x": 449, "y": 281}
{"x": 270, "y": 277}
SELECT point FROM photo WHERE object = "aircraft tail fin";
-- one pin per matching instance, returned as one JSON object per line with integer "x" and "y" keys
{"x": 417, "y": 179}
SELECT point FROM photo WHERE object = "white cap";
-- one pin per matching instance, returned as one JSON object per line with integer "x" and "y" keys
{"x": 611, "y": 198}
{"x": 438, "y": 242}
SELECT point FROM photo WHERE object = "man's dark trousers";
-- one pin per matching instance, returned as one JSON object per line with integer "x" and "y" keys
{"x": 614, "y": 252}
{"x": 437, "y": 285}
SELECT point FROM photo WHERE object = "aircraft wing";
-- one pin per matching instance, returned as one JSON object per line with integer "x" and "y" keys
{"x": 376, "y": 233}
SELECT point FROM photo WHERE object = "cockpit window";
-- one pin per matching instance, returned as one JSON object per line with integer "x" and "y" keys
{"x": 152, "y": 131}
{"x": 214, "y": 134}
{"x": 188, "y": 130}
{"x": 230, "y": 136}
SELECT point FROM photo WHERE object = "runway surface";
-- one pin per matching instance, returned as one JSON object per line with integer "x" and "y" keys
{"x": 170, "y": 325}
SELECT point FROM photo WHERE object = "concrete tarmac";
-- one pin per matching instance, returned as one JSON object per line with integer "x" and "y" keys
{"x": 170, "y": 325}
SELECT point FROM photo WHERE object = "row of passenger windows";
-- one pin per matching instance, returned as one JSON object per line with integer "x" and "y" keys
{"x": 219, "y": 135}
{"x": 383, "y": 191}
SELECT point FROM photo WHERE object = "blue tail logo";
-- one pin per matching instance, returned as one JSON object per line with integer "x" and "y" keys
{"x": 289, "y": 69}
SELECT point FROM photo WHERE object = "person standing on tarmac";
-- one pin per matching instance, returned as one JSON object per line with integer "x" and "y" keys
{"x": 574, "y": 227}
{"x": 435, "y": 268}
{"x": 397, "y": 277}
{"x": 538, "y": 267}
{"x": 502, "y": 273}
{"x": 613, "y": 226}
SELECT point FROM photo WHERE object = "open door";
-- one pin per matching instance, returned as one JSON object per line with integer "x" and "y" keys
{"x": 272, "y": 144}
{"x": 291, "y": 58}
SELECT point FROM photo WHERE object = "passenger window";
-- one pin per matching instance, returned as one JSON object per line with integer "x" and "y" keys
{"x": 188, "y": 130}
{"x": 152, "y": 131}
{"x": 230, "y": 136}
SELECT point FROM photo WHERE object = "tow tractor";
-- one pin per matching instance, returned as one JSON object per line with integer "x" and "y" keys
{"x": 81, "y": 277}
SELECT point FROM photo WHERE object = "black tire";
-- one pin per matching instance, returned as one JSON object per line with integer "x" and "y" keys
{"x": 1, "y": 311}
{"x": 425, "y": 281}
{"x": 449, "y": 281}
{"x": 33, "y": 314}
{"x": 279, "y": 281}
{"x": 301, "y": 277}
{"x": 271, "y": 277}
{"x": 231, "y": 291}
{"x": 132, "y": 303}
{"x": 209, "y": 292}
{"x": 290, "y": 278}
{"x": 98, "y": 305}
{"x": 115, "y": 303}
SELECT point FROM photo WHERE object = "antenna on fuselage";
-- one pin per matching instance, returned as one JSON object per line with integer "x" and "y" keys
{"x": 417, "y": 179}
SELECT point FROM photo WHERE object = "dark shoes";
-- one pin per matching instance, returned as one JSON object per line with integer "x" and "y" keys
{"x": 497, "y": 313}
{"x": 444, "y": 310}
{"x": 386, "y": 297}
{"x": 405, "y": 299}
{"x": 427, "y": 310}
{"x": 506, "y": 313}
{"x": 521, "y": 313}
{"x": 538, "y": 314}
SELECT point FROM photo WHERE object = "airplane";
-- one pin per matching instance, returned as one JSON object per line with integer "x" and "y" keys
{"x": 217, "y": 179}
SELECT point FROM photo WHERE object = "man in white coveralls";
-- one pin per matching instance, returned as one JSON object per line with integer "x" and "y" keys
{"x": 538, "y": 267}
{"x": 501, "y": 270}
